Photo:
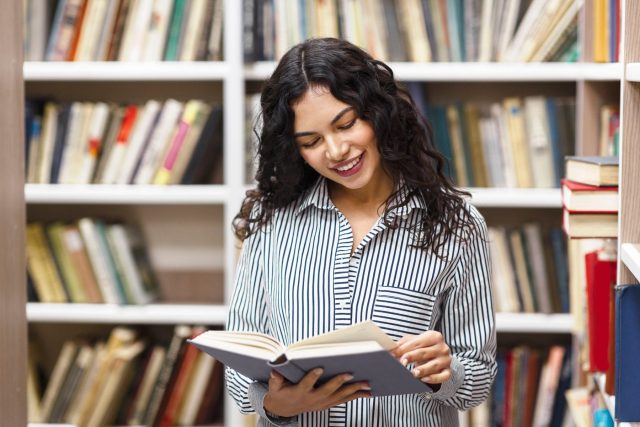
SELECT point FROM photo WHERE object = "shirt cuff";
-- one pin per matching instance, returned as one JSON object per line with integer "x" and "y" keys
{"x": 450, "y": 387}
{"x": 257, "y": 392}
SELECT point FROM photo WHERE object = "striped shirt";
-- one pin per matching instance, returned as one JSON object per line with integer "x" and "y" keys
{"x": 298, "y": 277}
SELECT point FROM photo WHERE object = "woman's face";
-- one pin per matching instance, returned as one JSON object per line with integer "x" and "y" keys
{"x": 335, "y": 142}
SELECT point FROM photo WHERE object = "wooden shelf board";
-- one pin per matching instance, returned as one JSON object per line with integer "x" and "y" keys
{"x": 480, "y": 71}
{"x": 125, "y": 71}
{"x": 128, "y": 314}
{"x": 125, "y": 194}
{"x": 534, "y": 323}
{"x": 630, "y": 255}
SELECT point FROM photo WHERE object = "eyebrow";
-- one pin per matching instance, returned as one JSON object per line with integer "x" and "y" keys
{"x": 335, "y": 119}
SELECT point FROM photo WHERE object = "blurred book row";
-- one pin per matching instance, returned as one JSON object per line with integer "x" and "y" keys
{"x": 123, "y": 30}
{"x": 529, "y": 269}
{"x": 170, "y": 142}
{"x": 415, "y": 30}
{"x": 127, "y": 379}
{"x": 88, "y": 261}
{"x": 529, "y": 389}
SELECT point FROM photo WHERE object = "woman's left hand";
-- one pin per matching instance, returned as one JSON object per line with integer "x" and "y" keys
{"x": 429, "y": 354}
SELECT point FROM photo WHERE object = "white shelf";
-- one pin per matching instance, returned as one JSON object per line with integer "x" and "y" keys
{"x": 124, "y": 71}
{"x": 534, "y": 323}
{"x": 124, "y": 194}
{"x": 633, "y": 72}
{"x": 216, "y": 315}
{"x": 151, "y": 314}
{"x": 516, "y": 197}
{"x": 481, "y": 71}
{"x": 630, "y": 255}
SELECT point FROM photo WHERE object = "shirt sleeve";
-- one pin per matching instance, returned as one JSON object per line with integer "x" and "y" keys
{"x": 468, "y": 325}
{"x": 247, "y": 312}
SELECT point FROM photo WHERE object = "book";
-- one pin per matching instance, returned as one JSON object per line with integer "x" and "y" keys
{"x": 592, "y": 170}
{"x": 361, "y": 350}
{"x": 577, "y": 197}
{"x": 601, "y": 268}
{"x": 627, "y": 348}
{"x": 590, "y": 224}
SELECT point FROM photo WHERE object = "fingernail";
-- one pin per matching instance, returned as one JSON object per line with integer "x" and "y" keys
{"x": 366, "y": 388}
{"x": 426, "y": 379}
{"x": 318, "y": 371}
{"x": 416, "y": 372}
{"x": 348, "y": 377}
{"x": 404, "y": 361}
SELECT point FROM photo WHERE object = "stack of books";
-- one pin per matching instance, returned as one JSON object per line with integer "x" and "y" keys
{"x": 590, "y": 197}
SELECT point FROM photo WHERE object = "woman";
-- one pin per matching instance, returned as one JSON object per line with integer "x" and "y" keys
{"x": 354, "y": 219}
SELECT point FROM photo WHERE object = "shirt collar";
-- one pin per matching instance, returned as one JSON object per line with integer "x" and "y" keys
{"x": 318, "y": 196}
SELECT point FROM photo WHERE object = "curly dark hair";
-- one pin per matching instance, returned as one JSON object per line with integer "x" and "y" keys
{"x": 405, "y": 140}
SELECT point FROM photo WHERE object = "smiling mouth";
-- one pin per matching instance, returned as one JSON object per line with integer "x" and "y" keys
{"x": 350, "y": 168}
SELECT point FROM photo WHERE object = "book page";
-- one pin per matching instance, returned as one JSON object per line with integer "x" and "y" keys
{"x": 364, "y": 331}
{"x": 251, "y": 340}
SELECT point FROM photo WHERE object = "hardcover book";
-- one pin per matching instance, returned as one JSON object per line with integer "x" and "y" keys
{"x": 361, "y": 350}
{"x": 592, "y": 170}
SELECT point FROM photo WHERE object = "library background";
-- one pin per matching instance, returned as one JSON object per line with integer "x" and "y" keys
{"x": 121, "y": 187}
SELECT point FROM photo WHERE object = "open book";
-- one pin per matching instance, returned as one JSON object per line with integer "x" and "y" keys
{"x": 361, "y": 350}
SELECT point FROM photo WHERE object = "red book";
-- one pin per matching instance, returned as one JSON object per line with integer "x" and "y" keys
{"x": 578, "y": 197}
{"x": 600, "y": 276}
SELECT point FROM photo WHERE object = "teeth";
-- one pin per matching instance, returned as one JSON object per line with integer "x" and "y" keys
{"x": 349, "y": 166}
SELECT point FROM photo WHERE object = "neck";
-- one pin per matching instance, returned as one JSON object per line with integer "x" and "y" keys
{"x": 371, "y": 197}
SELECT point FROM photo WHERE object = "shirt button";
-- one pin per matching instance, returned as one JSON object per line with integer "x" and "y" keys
{"x": 428, "y": 396}
{"x": 342, "y": 304}
{"x": 354, "y": 262}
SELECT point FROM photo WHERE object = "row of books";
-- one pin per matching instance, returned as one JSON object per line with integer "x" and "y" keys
{"x": 519, "y": 142}
{"x": 88, "y": 261}
{"x": 529, "y": 389}
{"x": 418, "y": 30}
{"x": 128, "y": 380}
{"x": 123, "y": 30}
{"x": 170, "y": 142}
{"x": 606, "y": 34}
{"x": 529, "y": 269}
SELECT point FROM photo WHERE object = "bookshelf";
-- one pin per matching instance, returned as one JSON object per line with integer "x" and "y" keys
{"x": 228, "y": 81}
{"x": 13, "y": 332}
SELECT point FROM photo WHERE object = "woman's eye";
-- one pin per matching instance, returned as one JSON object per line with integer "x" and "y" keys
{"x": 310, "y": 143}
{"x": 348, "y": 125}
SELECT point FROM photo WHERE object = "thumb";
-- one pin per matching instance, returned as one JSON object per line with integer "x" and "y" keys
{"x": 276, "y": 381}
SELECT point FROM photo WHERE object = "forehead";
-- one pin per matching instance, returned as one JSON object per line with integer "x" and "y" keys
{"x": 315, "y": 108}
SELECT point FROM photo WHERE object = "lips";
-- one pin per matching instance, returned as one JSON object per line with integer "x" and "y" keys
{"x": 353, "y": 169}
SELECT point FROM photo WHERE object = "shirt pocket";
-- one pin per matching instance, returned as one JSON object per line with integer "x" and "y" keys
{"x": 400, "y": 311}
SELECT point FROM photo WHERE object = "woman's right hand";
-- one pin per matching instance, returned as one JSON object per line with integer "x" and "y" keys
{"x": 285, "y": 399}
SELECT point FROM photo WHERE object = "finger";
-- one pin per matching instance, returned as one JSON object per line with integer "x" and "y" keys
{"x": 426, "y": 339}
{"x": 334, "y": 384}
{"x": 438, "y": 378}
{"x": 433, "y": 366}
{"x": 310, "y": 379}
{"x": 276, "y": 381}
{"x": 352, "y": 396}
{"x": 421, "y": 355}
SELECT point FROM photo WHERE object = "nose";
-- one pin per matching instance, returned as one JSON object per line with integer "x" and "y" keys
{"x": 336, "y": 149}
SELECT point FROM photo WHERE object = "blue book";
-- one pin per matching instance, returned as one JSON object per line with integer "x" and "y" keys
{"x": 438, "y": 120}
{"x": 627, "y": 346}
{"x": 562, "y": 270}
{"x": 556, "y": 147}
